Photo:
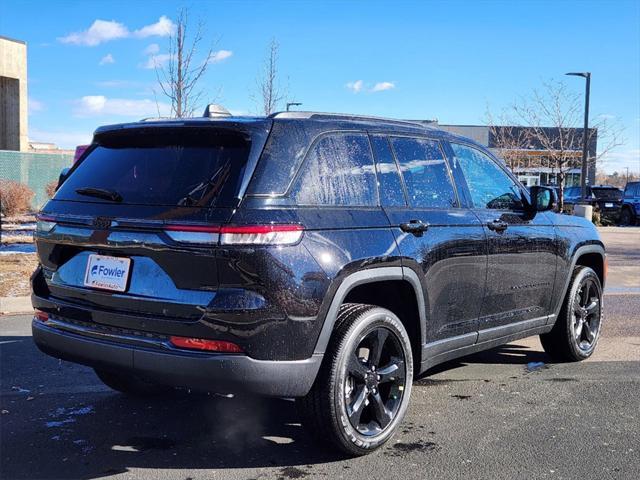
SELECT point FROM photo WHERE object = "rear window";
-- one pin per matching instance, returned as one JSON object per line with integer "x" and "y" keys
{"x": 607, "y": 193}
{"x": 174, "y": 167}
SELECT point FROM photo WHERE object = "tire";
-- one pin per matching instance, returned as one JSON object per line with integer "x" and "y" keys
{"x": 627, "y": 217}
{"x": 353, "y": 405}
{"x": 576, "y": 332}
{"x": 130, "y": 384}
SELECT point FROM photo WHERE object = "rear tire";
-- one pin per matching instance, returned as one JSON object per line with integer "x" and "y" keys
{"x": 362, "y": 390}
{"x": 130, "y": 384}
{"x": 576, "y": 332}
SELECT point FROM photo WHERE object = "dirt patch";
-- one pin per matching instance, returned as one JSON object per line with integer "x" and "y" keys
{"x": 15, "y": 271}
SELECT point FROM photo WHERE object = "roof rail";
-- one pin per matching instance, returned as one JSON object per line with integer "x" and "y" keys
{"x": 343, "y": 116}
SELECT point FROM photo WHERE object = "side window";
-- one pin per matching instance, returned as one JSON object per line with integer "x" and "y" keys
{"x": 425, "y": 172}
{"x": 489, "y": 186}
{"x": 391, "y": 190}
{"x": 338, "y": 170}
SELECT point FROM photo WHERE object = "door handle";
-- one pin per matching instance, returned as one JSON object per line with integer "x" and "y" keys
{"x": 416, "y": 227}
{"x": 497, "y": 225}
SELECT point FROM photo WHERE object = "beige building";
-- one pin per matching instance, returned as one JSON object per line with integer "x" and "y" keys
{"x": 13, "y": 95}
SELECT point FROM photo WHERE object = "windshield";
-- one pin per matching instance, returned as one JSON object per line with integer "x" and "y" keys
{"x": 175, "y": 167}
{"x": 607, "y": 193}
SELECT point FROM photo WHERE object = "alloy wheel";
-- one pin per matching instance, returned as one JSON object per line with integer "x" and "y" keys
{"x": 375, "y": 381}
{"x": 586, "y": 315}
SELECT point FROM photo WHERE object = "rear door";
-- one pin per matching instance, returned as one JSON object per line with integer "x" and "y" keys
{"x": 144, "y": 204}
{"x": 521, "y": 250}
{"x": 440, "y": 241}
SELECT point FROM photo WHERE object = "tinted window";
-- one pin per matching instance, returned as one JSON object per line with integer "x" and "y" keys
{"x": 425, "y": 172}
{"x": 389, "y": 183}
{"x": 606, "y": 193}
{"x": 489, "y": 185}
{"x": 194, "y": 167}
{"x": 338, "y": 170}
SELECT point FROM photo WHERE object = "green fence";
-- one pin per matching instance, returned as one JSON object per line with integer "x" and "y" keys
{"x": 34, "y": 170}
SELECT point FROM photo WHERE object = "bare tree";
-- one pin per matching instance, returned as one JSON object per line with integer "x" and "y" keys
{"x": 270, "y": 91}
{"x": 179, "y": 78}
{"x": 550, "y": 120}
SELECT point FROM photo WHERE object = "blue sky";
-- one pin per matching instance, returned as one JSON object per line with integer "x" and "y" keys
{"x": 444, "y": 60}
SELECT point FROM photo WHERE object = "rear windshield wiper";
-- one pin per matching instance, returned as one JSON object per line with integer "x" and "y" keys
{"x": 100, "y": 193}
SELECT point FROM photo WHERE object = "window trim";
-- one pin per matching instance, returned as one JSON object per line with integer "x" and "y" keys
{"x": 452, "y": 181}
{"x": 304, "y": 161}
{"x": 500, "y": 165}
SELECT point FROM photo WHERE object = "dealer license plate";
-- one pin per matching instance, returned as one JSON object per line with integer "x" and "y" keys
{"x": 107, "y": 273}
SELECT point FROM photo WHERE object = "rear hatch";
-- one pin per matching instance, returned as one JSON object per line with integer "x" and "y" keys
{"x": 133, "y": 228}
{"x": 608, "y": 199}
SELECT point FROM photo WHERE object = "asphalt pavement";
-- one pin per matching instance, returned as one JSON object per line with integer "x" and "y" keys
{"x": 507, "y": 413}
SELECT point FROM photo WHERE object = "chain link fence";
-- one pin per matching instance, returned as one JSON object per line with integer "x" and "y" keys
{"x": 33, "y": 169}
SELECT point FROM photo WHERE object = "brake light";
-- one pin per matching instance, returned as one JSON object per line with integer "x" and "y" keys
{"x": 41, "y": 316}
{"x": 261, "y": 235}
{"x": 44, "y": 223}
{"x": 236, "y": 235}
{"x": 205, "y": 345}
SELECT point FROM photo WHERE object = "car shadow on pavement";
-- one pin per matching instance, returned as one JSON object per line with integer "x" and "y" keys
{"x": 58, "y": 421}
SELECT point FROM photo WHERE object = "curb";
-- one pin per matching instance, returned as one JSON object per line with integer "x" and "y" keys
{"x": 12, "y": 305}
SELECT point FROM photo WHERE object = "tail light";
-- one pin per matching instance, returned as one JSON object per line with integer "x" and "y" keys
{"x": 41, "y": 316}
{"x": 205, "y": 345}
{"x": 44, "y": 223}
{"x": 261, "y": 235}
{"x": 236, "y": 235}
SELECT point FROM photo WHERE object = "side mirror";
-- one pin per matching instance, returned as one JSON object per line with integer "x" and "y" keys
{"x": 64, "y": 173}
{"x": 542, "y": 198}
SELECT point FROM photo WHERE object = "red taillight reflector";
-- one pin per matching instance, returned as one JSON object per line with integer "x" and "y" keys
{"x": 206, "y": 345}
{"x": 260, "y": 234}
{"x": 41, "y": 316}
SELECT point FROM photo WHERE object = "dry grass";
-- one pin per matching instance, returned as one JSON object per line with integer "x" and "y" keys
{"x": 11, "y": 239}
{"x": 15, "y": 271}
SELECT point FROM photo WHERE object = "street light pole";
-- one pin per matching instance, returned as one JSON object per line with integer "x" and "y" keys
{"x": 585, "y": 132}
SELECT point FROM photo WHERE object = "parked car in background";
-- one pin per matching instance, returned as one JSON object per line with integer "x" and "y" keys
{"x": 319, "y": 256}
{"x": 605, "y": 199}
{"x": 630, "y": 210}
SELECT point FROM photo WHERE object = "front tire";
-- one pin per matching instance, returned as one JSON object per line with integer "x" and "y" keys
{"x": 130, "y": 384}
{"x": 362, "y": 390}
{"x": 576, "y": 332}
{"x": 627, "y": 217}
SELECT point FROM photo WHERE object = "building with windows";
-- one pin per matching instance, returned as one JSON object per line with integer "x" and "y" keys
{"x": 13, "y": 94}
{"x": 528, "y": 158}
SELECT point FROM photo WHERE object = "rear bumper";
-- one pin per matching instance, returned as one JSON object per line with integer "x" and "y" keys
{"x": 222, "y": 373}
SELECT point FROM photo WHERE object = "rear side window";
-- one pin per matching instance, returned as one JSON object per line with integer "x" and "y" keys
{"x": 338, "y": 170}
{"x": 425, "y": 172}
{"x": 391, "y": 190}
{"x": 175, "y": 167}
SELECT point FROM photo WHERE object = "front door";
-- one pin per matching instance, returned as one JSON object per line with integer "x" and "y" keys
{"x": 441, "y": 242}
{"x": 521, "y": 250}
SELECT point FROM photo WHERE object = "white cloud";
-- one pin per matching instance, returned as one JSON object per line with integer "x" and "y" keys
{"x": 35, "y": 106}
{"x": 356, "y": 86}
{"x": 99, "y": 105}
{"x": 107, "y": 59}
{"x": 63, "y": 139}
{"x": 162, "y": 28}
{"x": 102, "y": 31}
{"x": 152, "y": 49}
{"x": 381, "y": 86}
{"x": 220, "y": 55}
{"x": 155, "y": 61}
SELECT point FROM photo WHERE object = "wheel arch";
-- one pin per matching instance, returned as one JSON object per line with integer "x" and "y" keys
{"x": 403, "y": 293}
{"x": 592, "y": 256}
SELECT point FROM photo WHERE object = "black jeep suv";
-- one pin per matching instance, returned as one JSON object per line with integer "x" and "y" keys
{"x": 329, "y": 258}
